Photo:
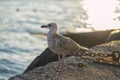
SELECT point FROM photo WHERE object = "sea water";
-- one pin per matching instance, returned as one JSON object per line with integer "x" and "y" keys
{"x": 20, "y": 19}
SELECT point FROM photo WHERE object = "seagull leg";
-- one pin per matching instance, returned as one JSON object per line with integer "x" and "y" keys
{"x": 63, "y": 58}
{"x": 61, "y": 61}
{"x": 59, "y": 58}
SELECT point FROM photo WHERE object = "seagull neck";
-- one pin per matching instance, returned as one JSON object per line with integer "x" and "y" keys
{"x": 52, "y": 32}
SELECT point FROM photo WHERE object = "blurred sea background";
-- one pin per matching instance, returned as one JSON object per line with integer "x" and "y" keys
{"x": 20, "y": 19}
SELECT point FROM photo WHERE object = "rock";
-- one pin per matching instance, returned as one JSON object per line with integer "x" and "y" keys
{"x": 88, "y": 39}
{"x": 46, "y": 57}
{"x": 41, "y": 60}
{"x": 71, "y": 70}
{"x": 114, "y": 35}
{"x": 107, "y": 47}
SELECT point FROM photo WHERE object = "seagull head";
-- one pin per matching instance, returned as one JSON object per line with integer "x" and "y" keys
{"x": 50, "y": 26}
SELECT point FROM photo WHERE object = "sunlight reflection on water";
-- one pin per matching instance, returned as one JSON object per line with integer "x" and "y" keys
{"x": 101, "y": 14}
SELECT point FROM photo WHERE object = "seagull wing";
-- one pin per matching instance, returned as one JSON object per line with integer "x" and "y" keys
{"x": 68, "y": 44}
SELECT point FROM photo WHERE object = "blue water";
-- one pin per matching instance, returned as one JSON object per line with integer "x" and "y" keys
{"x": 19, "y": 19}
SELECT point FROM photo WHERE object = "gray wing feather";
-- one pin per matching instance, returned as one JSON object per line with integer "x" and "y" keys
{"x": 68, "y": 44}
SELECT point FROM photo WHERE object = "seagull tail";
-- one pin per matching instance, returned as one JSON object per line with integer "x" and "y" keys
{"x": 82, "y": 51}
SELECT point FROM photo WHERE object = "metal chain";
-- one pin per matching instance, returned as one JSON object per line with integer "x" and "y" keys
{"x": 113, "y": 58}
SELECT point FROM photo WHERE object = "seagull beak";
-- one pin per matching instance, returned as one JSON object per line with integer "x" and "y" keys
{"x": 44, "y": 26}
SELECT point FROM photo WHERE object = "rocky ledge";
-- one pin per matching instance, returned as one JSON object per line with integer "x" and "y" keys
{"x": 72, "y": 70}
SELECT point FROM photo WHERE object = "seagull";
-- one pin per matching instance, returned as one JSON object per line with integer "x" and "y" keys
{"x": 61, "y": 45}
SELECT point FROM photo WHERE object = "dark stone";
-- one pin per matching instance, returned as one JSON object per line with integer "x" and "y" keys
{"x": 114, "y": 35}
{"x": 41, "y": 60}
{"x": 89, "y": 39}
